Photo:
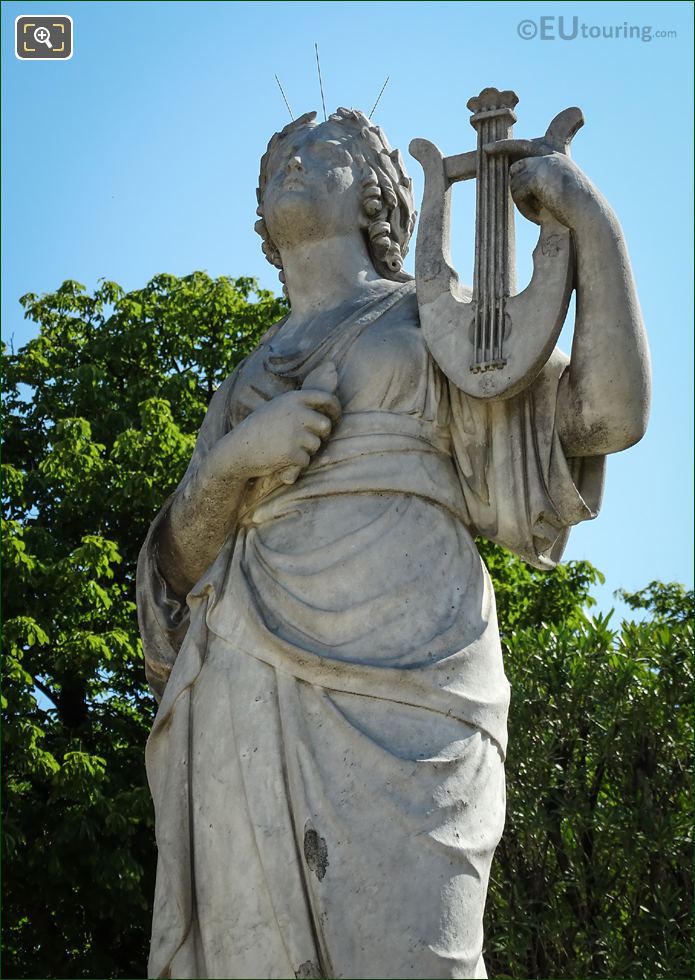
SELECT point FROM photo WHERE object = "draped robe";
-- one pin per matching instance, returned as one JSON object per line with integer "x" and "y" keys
{"x": 327, "y": 758}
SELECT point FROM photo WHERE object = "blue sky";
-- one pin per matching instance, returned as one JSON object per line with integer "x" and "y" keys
{"x": 140, "y": 155}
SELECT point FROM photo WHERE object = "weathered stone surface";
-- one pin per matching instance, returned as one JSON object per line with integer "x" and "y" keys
{"x": 327, "y": 758}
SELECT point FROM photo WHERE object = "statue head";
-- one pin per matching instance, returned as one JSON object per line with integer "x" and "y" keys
{"x": 386, "y": 215}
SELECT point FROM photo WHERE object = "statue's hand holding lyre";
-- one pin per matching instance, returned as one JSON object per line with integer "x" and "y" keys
{"x": 554, "y": 182}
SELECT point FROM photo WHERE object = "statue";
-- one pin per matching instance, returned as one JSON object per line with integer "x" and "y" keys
{"x": 327, "y": 761}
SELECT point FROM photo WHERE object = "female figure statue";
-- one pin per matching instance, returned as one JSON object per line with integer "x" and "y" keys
{"x": 327, "y": 758}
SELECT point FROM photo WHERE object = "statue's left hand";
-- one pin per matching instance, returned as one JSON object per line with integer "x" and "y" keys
{"x": 555, "y": 182}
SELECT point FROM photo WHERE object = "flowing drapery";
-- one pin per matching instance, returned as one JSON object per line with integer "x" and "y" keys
{"x": 327, "y": 758}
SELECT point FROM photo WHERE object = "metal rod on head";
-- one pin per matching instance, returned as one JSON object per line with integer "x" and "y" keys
{"x": 379, "y": 96}
{"x": 318, "y": 65}
{"x": 284, "y": 97}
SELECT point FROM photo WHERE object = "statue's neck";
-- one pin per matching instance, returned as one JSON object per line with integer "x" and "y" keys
{"x": 324, "y": 274}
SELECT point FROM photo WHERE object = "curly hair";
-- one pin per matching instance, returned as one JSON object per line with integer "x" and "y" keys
{"x": 387, "y": 198}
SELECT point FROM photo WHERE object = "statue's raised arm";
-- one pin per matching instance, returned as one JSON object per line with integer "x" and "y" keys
{"x": 492, "y": 342}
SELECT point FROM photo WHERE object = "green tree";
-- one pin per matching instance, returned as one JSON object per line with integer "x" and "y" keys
{"x": 101, "y": 411}
{"x": 593, "y": 877}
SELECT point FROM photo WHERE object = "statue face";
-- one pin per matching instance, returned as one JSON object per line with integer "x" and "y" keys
{"x": 314, "y": 189}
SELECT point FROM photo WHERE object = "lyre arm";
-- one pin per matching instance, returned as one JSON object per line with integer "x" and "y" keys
{"x": 558, "y": 136}
{"x": 435, "y": 273}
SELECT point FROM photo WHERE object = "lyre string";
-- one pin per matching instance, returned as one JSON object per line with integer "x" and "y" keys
{"x": 499, "y": 260}
{"x": 492, "y": 283}
{"x": 491, "y": 250}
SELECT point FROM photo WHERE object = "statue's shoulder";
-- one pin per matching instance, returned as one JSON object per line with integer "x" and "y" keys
{"x": 396, "y": 333}
{"x": 402, "y": 325}
{"x": 409, "y": 307}
{"x": 403, "y": 310}
{"x": 271, "y": 331}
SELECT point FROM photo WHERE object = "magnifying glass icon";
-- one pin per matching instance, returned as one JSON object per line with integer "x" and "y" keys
{"x": 43, "y": 36}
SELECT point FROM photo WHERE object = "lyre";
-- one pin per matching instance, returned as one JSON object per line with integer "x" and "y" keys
{"x": 492, "y": 342}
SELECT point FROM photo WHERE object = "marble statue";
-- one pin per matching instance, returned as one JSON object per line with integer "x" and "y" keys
{"x": 327, "y": 760}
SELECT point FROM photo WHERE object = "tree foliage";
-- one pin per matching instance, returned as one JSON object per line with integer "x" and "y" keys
{"x": 592, "y": 878}
{"x": 101, "y": 411}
